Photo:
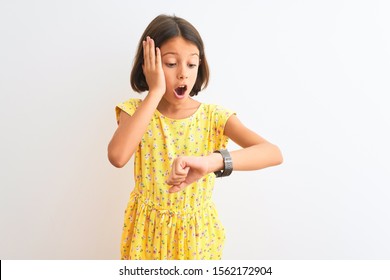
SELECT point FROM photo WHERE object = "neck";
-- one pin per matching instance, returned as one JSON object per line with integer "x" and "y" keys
{"x": 166, "y": 106}
{"x": 178, "y": 110}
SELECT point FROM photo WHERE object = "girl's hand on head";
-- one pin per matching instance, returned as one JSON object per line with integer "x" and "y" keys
{"x": 152, "y": 68}
{"x": 185, "y": 171}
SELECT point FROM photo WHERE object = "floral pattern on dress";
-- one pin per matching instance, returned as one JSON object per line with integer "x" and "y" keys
{"x": 159, "y": 225}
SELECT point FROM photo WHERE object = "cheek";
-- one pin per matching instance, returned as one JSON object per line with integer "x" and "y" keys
{"x": 194, "y": 74}
{"x": 167, "y": 74}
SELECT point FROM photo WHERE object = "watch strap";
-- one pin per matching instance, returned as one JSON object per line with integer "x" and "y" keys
{"x": 227, "y": 162}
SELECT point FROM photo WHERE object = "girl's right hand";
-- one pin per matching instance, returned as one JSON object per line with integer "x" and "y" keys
{"x": 152, "y": 68}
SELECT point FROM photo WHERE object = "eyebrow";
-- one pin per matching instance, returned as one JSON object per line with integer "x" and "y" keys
{"x": 174, "y": 53}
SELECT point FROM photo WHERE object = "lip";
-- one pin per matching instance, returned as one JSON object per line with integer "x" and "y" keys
{"x": 183, "y": 92}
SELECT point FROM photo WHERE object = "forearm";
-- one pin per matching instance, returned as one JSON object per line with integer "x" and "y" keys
{"x": 251, "y": 158}
{"x": 129, "y": 134}
{"x": 256, "y": 157}
{"x": 188, "y": 169}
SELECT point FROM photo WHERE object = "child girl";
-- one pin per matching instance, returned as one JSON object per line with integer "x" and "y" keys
{"x": 180, "y": 148}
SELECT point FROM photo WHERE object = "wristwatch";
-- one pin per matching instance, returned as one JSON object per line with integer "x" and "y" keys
{"x": 227, "y": 162}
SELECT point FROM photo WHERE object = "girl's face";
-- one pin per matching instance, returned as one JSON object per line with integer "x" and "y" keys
{"x": 180, "y": 61}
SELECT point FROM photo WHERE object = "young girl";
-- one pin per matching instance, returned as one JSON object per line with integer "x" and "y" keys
{"x": 180, "y": 148}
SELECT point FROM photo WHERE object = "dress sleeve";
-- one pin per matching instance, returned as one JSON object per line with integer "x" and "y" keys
{"x": 128, "y": 106}
{"x": 221, "y": 116}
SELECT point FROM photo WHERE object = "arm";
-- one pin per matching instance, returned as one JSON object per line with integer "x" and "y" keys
{"x": 131, "y": 128}
{"x": 130, "y": 131}
{"x": 256, "y": 153}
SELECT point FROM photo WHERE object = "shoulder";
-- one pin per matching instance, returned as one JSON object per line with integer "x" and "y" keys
{"x": 219, "y": 114}
{"x": 217, "y": 109}
{"x": 129, "y": 106}
{"x": 132, "y": 102}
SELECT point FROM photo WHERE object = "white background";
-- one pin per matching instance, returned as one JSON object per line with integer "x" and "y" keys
{"x": 310, "y": 76}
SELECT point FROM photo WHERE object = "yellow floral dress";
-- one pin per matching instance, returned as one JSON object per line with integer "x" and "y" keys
{"x": 185, "y": 225}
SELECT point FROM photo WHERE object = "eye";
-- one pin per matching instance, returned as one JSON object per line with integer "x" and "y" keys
{"x": 191, "y": 65}
{"x": 170, "y": 65}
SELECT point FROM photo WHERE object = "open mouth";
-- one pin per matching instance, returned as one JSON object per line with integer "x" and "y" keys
{"x": 180, "y": 91}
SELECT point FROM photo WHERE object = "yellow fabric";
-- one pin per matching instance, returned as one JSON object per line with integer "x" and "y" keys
{"x": 184, "y": 225}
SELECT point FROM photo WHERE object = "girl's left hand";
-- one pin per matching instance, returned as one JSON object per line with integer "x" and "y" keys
{"x": 185, "y": 171}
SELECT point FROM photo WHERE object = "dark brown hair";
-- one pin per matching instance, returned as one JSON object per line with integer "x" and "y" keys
{"x": 161, "y": 29}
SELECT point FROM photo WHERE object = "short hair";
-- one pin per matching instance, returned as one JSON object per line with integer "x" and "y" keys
{"x": 161, "y": 29}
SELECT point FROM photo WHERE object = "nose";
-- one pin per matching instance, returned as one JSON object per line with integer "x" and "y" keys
{"x": 182, "y": 74}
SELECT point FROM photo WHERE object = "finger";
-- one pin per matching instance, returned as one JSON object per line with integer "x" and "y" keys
{"x": 181, "y": 173}
{"x": 177, "y": 188}
{"x": 172, "y": 180}
{"x": 146, "y": 53}
{"x": 180, "y": 169}
{"x": 152, "y": 53}
{"x": 158, "y": 58}
{"x": 174, "y": 189}
{"x": 175, "y": 180}
{"x": 178, "y": 172}
{"x": 180, "y": 187}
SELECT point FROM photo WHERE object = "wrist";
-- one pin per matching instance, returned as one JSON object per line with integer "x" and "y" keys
{"x": 154, "y": 97}
{"x": 227, "y": 163}
{"x": 156, "y": 93}
{"x": 214, "y": 162}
